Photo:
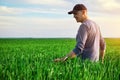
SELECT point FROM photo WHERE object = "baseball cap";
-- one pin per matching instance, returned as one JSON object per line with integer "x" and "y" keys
{"x": 77, "y": 7}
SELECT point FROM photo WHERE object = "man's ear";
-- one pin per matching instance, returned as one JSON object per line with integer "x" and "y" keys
{"x": 83, "y": 12}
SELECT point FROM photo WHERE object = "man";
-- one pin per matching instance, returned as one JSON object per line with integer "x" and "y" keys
{"x": 89, "y": 42}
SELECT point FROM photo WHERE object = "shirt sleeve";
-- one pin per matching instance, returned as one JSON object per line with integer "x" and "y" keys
{"x": 80, "y": 39}
{"x": 102, "y": 43}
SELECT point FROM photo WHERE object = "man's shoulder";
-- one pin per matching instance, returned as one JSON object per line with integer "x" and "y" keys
{"x": 88, "y": 22}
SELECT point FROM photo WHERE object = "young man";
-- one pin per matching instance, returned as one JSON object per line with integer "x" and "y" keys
{"x": 89, "y": 42}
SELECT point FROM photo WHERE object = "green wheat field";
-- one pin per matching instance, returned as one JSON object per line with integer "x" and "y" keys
{"x": 33, "y": 59}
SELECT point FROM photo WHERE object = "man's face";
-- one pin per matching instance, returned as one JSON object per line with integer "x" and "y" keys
{"x": 78, "y": 16}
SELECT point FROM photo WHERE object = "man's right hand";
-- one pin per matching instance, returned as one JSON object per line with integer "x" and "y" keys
{"x": 70, "y": 55}
{"x": 61, "y": 59}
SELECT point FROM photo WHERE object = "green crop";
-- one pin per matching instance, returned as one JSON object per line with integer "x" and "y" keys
{"x": 32, "y": 59}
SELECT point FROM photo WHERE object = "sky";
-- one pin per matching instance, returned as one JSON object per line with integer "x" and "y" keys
{"x": 49, "y": 18}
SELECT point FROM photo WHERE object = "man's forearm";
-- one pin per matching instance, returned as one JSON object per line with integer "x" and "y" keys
{"x": 71, "y": 55}
{"x": 102, "y": 53}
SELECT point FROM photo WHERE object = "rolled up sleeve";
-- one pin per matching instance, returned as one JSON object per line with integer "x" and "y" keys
{"x": 80, "y": 40}
{"x": 102, "y": 43}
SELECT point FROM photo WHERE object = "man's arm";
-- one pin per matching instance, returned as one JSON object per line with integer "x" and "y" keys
{"x": 102, "y": 48}
{"x": 102, "y": 53}
{"x": 81, "y": 40}
{"x": 69, "y": 55}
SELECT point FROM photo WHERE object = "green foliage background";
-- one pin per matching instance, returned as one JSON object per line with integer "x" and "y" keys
{"x": 32, "y": 59}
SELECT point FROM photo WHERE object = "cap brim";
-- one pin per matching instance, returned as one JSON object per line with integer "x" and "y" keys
{"x": 71, "y": 12}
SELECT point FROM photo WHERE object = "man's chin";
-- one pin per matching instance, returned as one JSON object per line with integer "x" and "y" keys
{"x": 77, "y": 21}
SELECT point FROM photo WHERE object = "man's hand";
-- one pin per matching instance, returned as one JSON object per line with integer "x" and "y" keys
{"x": 102, "y": 54}
{"x": 61, "y": 59}
{"x": 70, "y": 55}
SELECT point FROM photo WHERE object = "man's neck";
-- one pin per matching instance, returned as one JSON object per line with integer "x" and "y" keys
{"x": 84, "y": 19}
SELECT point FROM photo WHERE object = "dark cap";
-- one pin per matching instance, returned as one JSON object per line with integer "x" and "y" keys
{"x": 77, "y": 7}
